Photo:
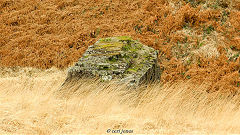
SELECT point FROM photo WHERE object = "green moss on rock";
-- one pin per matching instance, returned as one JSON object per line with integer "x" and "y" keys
{"x": 120, "y": 58}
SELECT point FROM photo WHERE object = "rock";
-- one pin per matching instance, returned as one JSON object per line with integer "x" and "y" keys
{"x": 117, "y": 58}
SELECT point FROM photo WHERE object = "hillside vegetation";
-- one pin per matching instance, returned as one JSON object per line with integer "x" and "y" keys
{"x": 199, "y": 55}
{"x": 197, "y": 39}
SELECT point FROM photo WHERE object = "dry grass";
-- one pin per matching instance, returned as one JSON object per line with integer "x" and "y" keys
{"x": 199, "y": 47}
{"x": 30, "y": 105}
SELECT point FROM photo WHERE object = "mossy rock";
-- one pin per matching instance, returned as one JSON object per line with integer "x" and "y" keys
{"x": 118, "y": 58}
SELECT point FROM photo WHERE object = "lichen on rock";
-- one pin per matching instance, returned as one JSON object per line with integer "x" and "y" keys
{"x": 118, "y": 58}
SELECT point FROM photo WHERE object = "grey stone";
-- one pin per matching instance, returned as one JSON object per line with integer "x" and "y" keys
{"x": 117, "y": 58}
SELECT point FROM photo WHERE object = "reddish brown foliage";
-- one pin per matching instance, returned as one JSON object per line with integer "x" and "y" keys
{"x": 50, "y": 33}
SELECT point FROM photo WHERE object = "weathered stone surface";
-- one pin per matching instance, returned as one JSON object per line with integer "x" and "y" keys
{"x": 118, "y": 58}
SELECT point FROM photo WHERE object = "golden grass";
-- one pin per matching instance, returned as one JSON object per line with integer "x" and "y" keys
{"x": 30, "y": 104}
{"x": 199, "y": 47}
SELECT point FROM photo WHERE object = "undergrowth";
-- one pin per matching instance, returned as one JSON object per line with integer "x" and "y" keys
{"x": 56, "y": 33}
